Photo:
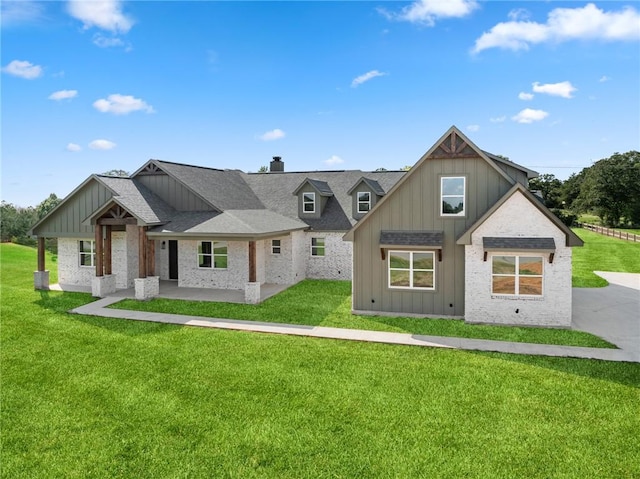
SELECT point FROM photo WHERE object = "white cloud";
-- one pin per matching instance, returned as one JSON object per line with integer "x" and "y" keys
{"x": 525, "y": 96}
{"x": 334, "y": 160}
{"x": 102, "y": 145}
{"x": 473, "y": 127}
{"x": 604, "y": 78}
{"x": 519, "y": 14}
{"x": 107, "y": 42}
{"x": 366, "y": 77}
{"x": 103, "y": 14}
{"x": 73, "y": 147}
{"x": 272, "y": 135}
{"x": 23, "y": 69}
{"x": 563, "y": 24}
{"x": 529, "y": 116}
{"x": 63, "y": 94}
{"x": 426, "y": 12}
{"x": 20, "y": 12}
{"x": 121, "y": 104}
{"x": 563, "y": 89}
{"x": 498, "y": 119}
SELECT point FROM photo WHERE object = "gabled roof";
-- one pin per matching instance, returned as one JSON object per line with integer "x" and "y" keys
{"x": 431, "y": 238}
{"x": 222, "y": 189}
{"x": 322, "y": 187}
{"x": 504, "y": 161}
{"x": 500, "y": 243}
{"x": 372, "y": 184}
{"x": 571, "y": 238}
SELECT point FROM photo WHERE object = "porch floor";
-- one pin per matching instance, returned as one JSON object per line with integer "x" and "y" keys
{"x": 170, "y": 290}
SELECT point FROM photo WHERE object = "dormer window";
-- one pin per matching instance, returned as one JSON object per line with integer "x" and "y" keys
{"x": 309, "y": 202}
{"x": 364, "y": 201}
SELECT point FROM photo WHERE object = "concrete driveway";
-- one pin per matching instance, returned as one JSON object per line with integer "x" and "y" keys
{"x": 613, "y": 312}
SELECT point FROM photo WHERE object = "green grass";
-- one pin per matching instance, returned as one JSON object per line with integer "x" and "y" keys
{"x": 86, "y": 397}
{"x": 602, "y": 253}
{"x": 328, "y": 303}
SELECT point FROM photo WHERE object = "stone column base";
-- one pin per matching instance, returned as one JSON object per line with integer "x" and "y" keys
{"x": 252, "y": 293}
{"x": 103, "y": 286}
{"x": 41, "y": 279}
{"x": 147, "y": 288}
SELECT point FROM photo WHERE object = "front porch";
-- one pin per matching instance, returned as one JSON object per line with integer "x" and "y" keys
{"x": 170, "y": 290}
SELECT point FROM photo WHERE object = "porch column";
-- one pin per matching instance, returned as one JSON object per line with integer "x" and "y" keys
{"x": 41, "y": 276}
{"x": 107, "y": 250}
{"x": 151, "y": 257}
{"x": 99, "y": 245}
{"x": 252, "y": 261}
{"x": 142, "y": 252}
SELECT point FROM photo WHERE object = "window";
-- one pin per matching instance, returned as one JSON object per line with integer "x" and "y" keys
{"x": 411, "y": 269}
{"x": 317, "y": 246}
{"x": 275, "y": 246}
{"x": 87, "y": 253}
{"x": 364, "y": 201}
{"x": 212, "y": 254}
{"x": 309, "y": 202}
{"x": 516, "y": 275}
{"x": 452, "y": 196}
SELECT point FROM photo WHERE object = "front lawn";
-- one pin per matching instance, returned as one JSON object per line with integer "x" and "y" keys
{"x": 90, "y": 397}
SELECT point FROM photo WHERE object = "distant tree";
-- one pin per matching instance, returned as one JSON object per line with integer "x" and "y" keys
{"x": 406, "y": 168}
{"x": 611, "y": 188}
{"x": 550, "y": 187}
{"x": 571, "y": 189}
{"x": 121, "y": 173}
{"x": 15, "y": 222}
{"x": 263, "y": 169}
{"x": 47, "y": 205}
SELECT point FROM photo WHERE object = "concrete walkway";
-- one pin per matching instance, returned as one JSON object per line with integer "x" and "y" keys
{"x": 590, "y": 321}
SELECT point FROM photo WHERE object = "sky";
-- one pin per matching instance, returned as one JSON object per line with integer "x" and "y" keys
{"x": 92, "y": 86}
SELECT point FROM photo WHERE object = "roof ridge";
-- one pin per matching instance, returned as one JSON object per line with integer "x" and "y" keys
{"x": 190, "y": 166}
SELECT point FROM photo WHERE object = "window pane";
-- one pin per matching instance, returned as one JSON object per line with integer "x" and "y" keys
{"x": 363, "y": 196}
{"x": 399, "y": 278}
{"x": 204, "y": 247}
{"x": 423, "y": 260}
{"x": 308, "y": 197}
{"x": 309, "y": 207}
{"x": 399, "y": 260}
{"x": 275, "y": 242}
{"x": 530, "y": 285}
{"x": 452, "y": 205}
{"x": 530, "y": 265}
{"x": 504, "y": 285}
{"x": 317, "y": 241}
{"x": 85, "y": 259}
{"x": 504, "y": 264}
{"x": 204, "y": 261}
{"x": 220, "y": 248}
{"x": 85, "y": 246}
{"x": 453, "y": 186}
{"x": 363, "y": 207}
{"x": 220, "y": 262}
{"x": 423, "y": 279}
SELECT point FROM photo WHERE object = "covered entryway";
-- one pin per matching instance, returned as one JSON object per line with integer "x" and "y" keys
{"x": 173, "y": 259}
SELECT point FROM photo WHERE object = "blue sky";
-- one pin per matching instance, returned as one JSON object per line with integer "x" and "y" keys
{"x": 92, "y": 86}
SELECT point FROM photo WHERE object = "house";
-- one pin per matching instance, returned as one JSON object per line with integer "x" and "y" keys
{"x": 461, "y": 236}
{"x": 207, "y": 228}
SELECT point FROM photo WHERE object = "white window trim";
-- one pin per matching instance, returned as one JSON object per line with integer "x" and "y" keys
{"x": 92, "y": 254}
{"x": 279, "y": 247}
{"x": 516, "y": 275}
{"x": 411, "y": 270}
{"x": 315, "y": 247}
{"x": 464, "y": 196}
{"x": 212, "y": 254}
{"x": 368, "y": 202}
{"x": 312, "y": 203}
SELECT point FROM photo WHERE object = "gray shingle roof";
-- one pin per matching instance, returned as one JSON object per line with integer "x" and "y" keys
{"x": 518, "y": 243}
{"x": 224, "y": 189}
{"x": 373, "y": 184}
{"x": 412, "y": 238}
{"x": 138, "y": 200}
{"x": 275, "y": 192}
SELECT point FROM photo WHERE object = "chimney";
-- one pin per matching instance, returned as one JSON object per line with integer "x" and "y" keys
{"x": 277, "y": 164}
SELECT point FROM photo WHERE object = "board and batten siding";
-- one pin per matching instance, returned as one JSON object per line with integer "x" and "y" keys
{"x": 415, "y": 205}
{"x": 67, "y": 220}
{"x": 173, "y": 192}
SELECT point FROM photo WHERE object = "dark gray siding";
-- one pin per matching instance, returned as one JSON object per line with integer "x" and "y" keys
{"x": 173, "y": 192}
{"x": 416, "y": 206}
{"x": 362, "y": 187}
{"x": 67, "y": 220}
{"x": 321, "y": 202}
{"x": 515, "y": 173}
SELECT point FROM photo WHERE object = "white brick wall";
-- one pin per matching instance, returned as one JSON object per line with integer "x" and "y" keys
{"x": 233, "y": 277}
{"x": 69, "y": 269}
{"x": 337, "y": 261}
{"x": 518, "y": 217}
{"x": 279, "y": 268}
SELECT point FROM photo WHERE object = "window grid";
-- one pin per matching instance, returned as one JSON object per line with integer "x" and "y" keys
{"x": 87, "y": 253}
{"x": 515, "y": 275}
{"x": 275, "y": 246}
{"x": 411, "y": 270}
{"x": 317, "y": 247}
{"x": 452, "y": 196}
{"x": 212, "y": 254}
{"x": 309, "y": 202}
{"x": 364, "y": 201}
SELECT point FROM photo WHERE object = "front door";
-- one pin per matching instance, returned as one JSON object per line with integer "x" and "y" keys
{"x": 173, "y": 259}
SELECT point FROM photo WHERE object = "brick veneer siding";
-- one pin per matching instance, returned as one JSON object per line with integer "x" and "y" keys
{"x": 518, "y": 217}
{"x": 337, "y": 260}
{"x": 69, "y": 270}
{"x": 233, "y": 277}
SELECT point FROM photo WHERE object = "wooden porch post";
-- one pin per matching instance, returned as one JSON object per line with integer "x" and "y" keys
{"x": 41, "y": 265}
{"x": 151, "y": 257}
{"x": 107, "y": 250}
{"x": 252, "y": 261}
{"x": 99, "y": 245}
{"x": 142, "y": 252}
